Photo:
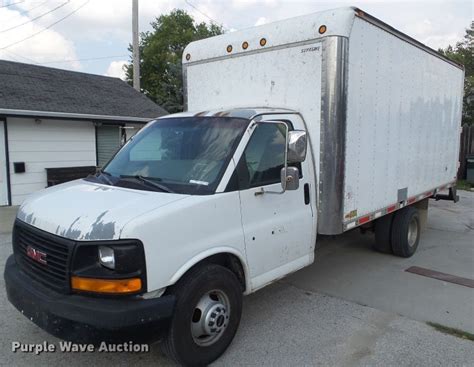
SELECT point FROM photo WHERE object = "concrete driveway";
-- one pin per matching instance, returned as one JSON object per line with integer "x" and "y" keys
{"x": 346, "y": 267}
{"x": 353, "y": 307}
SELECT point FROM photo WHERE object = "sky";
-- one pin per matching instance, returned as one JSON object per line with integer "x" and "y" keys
{"x": 94, "y": 35}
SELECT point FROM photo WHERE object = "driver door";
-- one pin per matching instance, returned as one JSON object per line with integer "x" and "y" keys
{"x": 277, "y": 226}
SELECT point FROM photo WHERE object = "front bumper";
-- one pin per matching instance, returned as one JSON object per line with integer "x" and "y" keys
{"x": 84, "y": 319}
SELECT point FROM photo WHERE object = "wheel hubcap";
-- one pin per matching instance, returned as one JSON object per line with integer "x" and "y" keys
{"x": 210, "y": 318}
{"x": 412, "y": 232}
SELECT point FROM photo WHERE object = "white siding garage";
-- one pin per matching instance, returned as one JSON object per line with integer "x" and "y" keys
{"x": 59, "y": 125}
{"x": 42, "y": 143}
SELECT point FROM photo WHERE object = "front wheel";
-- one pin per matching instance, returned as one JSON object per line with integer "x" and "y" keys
{"x": 207, "y": 315}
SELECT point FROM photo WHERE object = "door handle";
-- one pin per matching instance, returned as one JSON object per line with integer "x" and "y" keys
{"x": 306, "y": 194}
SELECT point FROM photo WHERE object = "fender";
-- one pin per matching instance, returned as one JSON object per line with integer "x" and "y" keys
{"x": 208, "y": 253}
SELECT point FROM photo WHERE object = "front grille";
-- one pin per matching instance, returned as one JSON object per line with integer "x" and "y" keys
{"x": 57, "y": 254}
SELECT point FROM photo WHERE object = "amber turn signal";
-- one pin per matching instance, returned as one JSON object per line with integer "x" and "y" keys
{"x": 106, "y": 285}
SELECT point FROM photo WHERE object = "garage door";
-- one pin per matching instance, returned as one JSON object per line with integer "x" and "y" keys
{"x": 108, "y": 142}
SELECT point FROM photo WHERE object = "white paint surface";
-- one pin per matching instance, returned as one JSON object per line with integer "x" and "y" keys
{"x": 49, "y": 144}
{"x": 178, "y": 230}
{"x": 299, "y": 29}
{"x": 403, "y": 103}
{"x": 89, "y": 211}
{"x": 283, "y": 78}
{"x": 279, "y": 229}
{"x": 3, "y": 167}
{"x": 403, "y": 118}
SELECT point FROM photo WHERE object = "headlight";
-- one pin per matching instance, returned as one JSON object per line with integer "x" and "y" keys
{"x": 109, "y": 267}
{"x": 107, "y": 257}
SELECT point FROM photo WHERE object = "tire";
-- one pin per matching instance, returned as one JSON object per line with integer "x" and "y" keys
{"x": 405, "y": 232}
{"x": 383, "y": 231}
{"x": 208, "y": 287}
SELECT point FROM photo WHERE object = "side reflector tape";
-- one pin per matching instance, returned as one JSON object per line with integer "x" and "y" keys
{"x": 364, "y": 219}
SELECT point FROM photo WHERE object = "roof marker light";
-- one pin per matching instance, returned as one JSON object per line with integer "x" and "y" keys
{"x": 322, "y": 29}
{"x": 245, "y": 45}
{"x": 263, "y": 42}
{"x": 188, "y": 57}
{"x": 229, "y": 48}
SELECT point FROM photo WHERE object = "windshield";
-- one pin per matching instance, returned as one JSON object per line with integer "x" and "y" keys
{"x": 184, "y": 155}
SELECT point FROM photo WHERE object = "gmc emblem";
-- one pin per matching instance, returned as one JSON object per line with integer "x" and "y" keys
{"x": 36, "y": 255}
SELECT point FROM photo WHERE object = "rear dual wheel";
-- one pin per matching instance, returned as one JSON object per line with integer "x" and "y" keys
{"x": 398, "y": 233}
{"x": 383, "y": 232}
{"x": 405, "y": 232}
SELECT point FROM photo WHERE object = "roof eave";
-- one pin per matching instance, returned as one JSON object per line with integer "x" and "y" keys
{"x": 74, "y": 116}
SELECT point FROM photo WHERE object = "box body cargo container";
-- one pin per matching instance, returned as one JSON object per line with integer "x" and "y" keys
{"x": 382, "y": 110}
{"x": 317, "y": 124}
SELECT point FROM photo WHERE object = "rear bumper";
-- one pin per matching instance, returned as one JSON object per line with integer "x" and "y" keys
{"x": 87, "y": 319}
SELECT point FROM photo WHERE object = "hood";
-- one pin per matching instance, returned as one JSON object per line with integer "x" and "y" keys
{"x": 83, "y": 210}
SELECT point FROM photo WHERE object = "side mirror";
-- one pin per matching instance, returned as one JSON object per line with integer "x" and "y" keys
{"x": 297, "y": 146}
{"x": 290, "y": 178}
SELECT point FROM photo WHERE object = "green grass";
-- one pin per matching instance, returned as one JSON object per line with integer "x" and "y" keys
{"x": 464, "y": 185}
{"x": 452, "y": 331}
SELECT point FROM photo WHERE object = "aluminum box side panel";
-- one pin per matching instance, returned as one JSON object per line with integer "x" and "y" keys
{"x": 333, "y": 130}
{"x": 403, "y": 120}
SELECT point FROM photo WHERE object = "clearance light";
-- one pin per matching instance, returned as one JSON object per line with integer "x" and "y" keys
{"x": 263, "y": 42}
{"x": 322, "y": 29}
{"x": 188, "y": 57}
{"x": 106, "y": 285}
{"x": 245, "y": 45}
{"x": 229, "y": 48}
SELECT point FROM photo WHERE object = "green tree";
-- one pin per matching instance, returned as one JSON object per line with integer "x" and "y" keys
{"x": 160, "y": 56}
{"x": 463, "y": 53}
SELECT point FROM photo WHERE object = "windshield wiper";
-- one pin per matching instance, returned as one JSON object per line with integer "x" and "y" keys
{"x": 106, "y": 176}
{"x": 150, "y": 182}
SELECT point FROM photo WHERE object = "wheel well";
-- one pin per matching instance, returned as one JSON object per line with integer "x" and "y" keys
{"x": 228, "y": 261}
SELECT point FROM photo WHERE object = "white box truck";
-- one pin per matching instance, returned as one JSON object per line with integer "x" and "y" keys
{"x": 312, "y": 125}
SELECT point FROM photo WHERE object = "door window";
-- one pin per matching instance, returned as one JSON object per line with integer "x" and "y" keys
{"x": 263, "y": 158}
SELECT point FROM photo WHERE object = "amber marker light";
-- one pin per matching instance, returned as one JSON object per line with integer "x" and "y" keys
{"x": 263, "y": 42}
{"x": 245, "y": 45}
{"x": 106, "y": 285}
{"x": 229, "y": 48}
{"x": 322, "y": 29}
{"x": 188, "y": 57}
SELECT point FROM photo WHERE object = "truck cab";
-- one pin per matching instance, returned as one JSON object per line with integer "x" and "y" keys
{"x": 189, "y": 196}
